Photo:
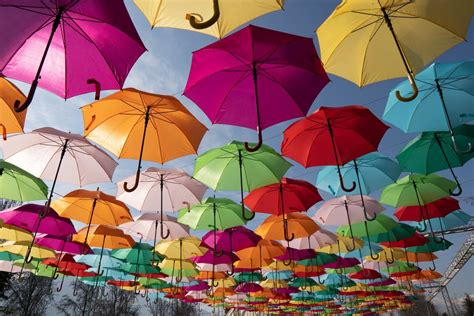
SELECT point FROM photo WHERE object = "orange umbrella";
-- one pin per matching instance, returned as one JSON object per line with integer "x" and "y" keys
{"x": 10, "y": 120}
{"x": 223, "y": 292}
{"x": 298, "y": 224}
{"x": 419, "y": 256}
{"x": 92, "y": 207}
{"x": 105, "y": 237}
{"x": 264, "y": 250}
{"x": 252, "y": 264}
{"x": 207, "y": 275}
{"x": 426, "y": 275}
{"x": 120, "y": 123}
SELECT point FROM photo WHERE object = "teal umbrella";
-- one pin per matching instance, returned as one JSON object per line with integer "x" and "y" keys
{"x": 18, "y": 185}
{"x": 434, "y": 151}
{"x": 444, "y": 102}
{"x": 431, "y": 246}
{"x": 232, "y": 167}
{"x": 450, "y": 221}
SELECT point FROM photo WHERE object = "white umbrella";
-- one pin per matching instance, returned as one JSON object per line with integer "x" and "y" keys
{"x": 315, "y": 241}
{"x": 160, "y": 190}
{"x": 146, "y": 225}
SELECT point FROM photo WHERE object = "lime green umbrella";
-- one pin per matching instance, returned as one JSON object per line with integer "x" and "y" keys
{"x": 431, "y": 152}
{"x": 366, "y": 229}
{"x": 214, "y": 214}
{"x": 44, "y": 271}
{"x": 152, "y": 283}
{"x": 398, "y": 266}
{"x": 18, "y": 185}
{"x": 232, "y": 167}
{"x": 417, "y": 190}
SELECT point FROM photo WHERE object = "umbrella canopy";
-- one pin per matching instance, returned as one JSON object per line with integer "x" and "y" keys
{"x": 216, "y": 18}
{"x": 105, "y": 259}
{"x": 44, "y": 151}
{"x": 290, "y": 195}
{"x": 58, "y": 43}
{"x": 139, "y": 254}
{"x": 391, "y": 49}
{"x": 445, "y": 94}
{"x": 105, "y": 237}
{"x": 183, "y": 248}
{"x": 251, "y": 71}
{"x": 120, "y": 123}
{"x": 437, "y": 208}
{"x": 298, "y": 226}
{"x": 265, "y": 249}
{"x": 11, "y": 122}
{"x": 373, "y": 171}
{"x": 31, "y": 218}
{"x": 22, "y": 248}
{"x": 61, "y": 245}
{"x": 13, "y": 233}
{"x": 232, "y": 239}
{"x": 145, "y": 225}
{"x": 19, "y": 185}
{"x": 177, "y": 268}
{"x": 314, "y": 241}
{"x": 92, "y": 207}
{"x": 450, "y": 221}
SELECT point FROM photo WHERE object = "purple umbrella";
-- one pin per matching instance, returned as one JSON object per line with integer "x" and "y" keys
{"x": 248, "y": 287}
{"x": 342, "y": 263}
{"x": 62, "y": 245}
{"x": 209, "y": 257}
{"x": 68, "y": 44}
{"x": 256, "y": 78}
{"x": 286, "y": 290}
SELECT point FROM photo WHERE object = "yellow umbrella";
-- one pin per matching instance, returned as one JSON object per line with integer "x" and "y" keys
{"x": 343, "y": 245}
{"x": 138, "y": 125}
{"x": 370, "y": 41}
{"x": 269, "y": 283}
{"x": 226, "y": 283}
{"x": 21, "y": 248}
{"x": 389, "y": 254}
{"x": 10, "y": 120}
{"x": 212, "y": 17}
{"x": 182, "y": 248}
{"x": 10, "y": 232}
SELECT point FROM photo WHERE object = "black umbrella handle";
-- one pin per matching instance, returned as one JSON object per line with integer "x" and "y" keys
{"x": 350, "y": 227}
{"x": 21, "y": 107}
{"x": 139, "y": 167}
{"x": 366, "y": 215}
{"x": 97, "y": 87}
{"x": 242, "y": 189}
{"x": 167, "y": 234}
{"x": 257, "y": 109}
{"x": 196, "y": 20}
{"x": 445, "y": 156}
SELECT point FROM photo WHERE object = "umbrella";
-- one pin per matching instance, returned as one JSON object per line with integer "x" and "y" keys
{"x": 19, "y": 185}
{"x": 10, "y": 121}
{"x": 263, "y": 251}
{"x": 218, "y": 168}
{"x": 215, "y": 214}
{"x": 417, "y": 190}
{"x": 11, "y": 232}
{"x": 68, "y": 31}
{"x": 356, "y": 209}
{"x": 434, "y": 151}
{"x": 251, "y": 71}
{"x": 216, "y": 18}
{"x": 175, "y": 188}
{"x": 22, "y": 248}
{"x": 437, "y": 208}
{"x": 170, "y": 268}
{"x": 390, "y": 47}
{"x": 445, "y": 94}
{"x": 298, "y": 224}
{"x": 365, "y": 229}
{"x": 92, "y": 207}
{"x": 62, "y": 245}
{"x": 120, "y": 123}
{"x": 314, "y": 241}
{"x": 450, "y": 221}
{"x": 288, "y": 196}
{"x": 372, "y": 171}
{"x": 333, "y": 136}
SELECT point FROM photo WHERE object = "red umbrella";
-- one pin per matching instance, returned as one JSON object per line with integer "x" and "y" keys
{"x": 414, "y": 240}
{"x": 365, "y": 274}
{"x": 438, "y": 208}
{"x": 333, "y": 136}
{"x": 288, "y": 196}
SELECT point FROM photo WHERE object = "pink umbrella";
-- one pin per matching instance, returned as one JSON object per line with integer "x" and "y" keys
{"x": 208, "y": 257}
{"x": 256, "y": 78}
{"x": 145, "y": 224}
{"x": 342, "y": 263}
{"x": 286, "y": 290}
{"x": 317, "y": 240}
{"x": 248, "y": 287}
{"x": 292, "y": 254}
{"x": 171, "y": 189}
{"x": 68, "y": 44}
{"x": 62, "y": 245}
{"x": 385, "y": 282}
{"x": 201, "y": 286}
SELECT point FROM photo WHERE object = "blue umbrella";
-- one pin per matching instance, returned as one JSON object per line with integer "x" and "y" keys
{"x": 337, "y": 280}
{"x": 93, "y": 260}
{"x": 450, "y": 221}
{"x": 364, "y": 251}
{"x": 280, "y": 275}
{"x": 444, "y": 101}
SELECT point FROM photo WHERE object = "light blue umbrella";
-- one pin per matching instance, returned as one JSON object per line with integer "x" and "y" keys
{"x": 280, "y": 275}
{"x": 450, "y": 221}
{"x": 113, "y": 274}
{"x": 337, "y": 280}
{"x": 93, "y": 260}
{"x": 444, "y": 101}
{"x": 374, "y": 169}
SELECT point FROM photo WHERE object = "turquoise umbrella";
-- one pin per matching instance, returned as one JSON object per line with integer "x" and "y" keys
{"x": 107, "y": 262}
{"x": 279, "y": 275}
{"x": 444, "y": 102}
{"x": 450, "y": 221}
{"x": 373, "y": 171}
{"x": 337, "y": 281}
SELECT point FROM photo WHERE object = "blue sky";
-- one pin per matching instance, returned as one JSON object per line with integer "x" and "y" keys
{"x": 165, "y": 67}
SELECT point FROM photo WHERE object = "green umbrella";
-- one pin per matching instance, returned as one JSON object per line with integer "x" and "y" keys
{"x": 18, "y": 185}
{"x": 7, "y": 256}
{"x": 139, "y": 254}
{"x": 367, "y": 229}
{"x": 214, "y": 214}
{"x": 152, "y": 283}
{"x": 417, "y": 190}
{"x": 303, "y": 283}
{"x": 352, "y": 269}
{"x": 231, "y": 167}
{"x": 139, "y": 269}
{"x": 431, "y": 246}
{"x": 431, "y": 152}
{"x": 320, "y": 259}
{"x": 243, "y": 277}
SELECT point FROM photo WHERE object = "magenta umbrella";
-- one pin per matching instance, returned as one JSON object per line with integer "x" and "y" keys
{"x": 292, "y": 254}
{"x": 209, "y": 257}
{"x": 286, "y": 290}
{"x": 256, "y": 78}
{"x": 201, "y": 286}
{"x": 69, "y": 44}
{"x": 62, "y": 245}
{"x": 248, "y": 287}
{"x": 342, "y": 263}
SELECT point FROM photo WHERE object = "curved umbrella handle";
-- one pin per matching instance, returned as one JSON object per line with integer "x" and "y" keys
{"x": 433, "y": 264}
{"x": 350, "y": 227}
{"x": 286, "y": 235}
{"x": 144, "y": 294}
{"x": 259, "y": 143}
{"x": 187, "y": 205}
{"x": 21, "y": 107}
{"x": 97, "y": 87}
{"x": 376, "y": 256}
{"x": 59, "y": 289}
{"x": 74, "y": 292}
{"x": 137, "y": 179}
{"x": 232, "y": 271}
{"x": 391, "y": 260}
{"x": 4, "y": 132}
{"x": 200, "y": 25}
{"x": 286, "y": 263}
{"x": 414, "y": 88}
{"x": 245, "y": 217}
{"x": 164, "y": 236}
{"x": 423, "y": 227}
{"x": 213, "y": 284}
{"x": 319, "y": 280}
{"x": 468, "y": 150}
{"x": 341, "y": 182}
